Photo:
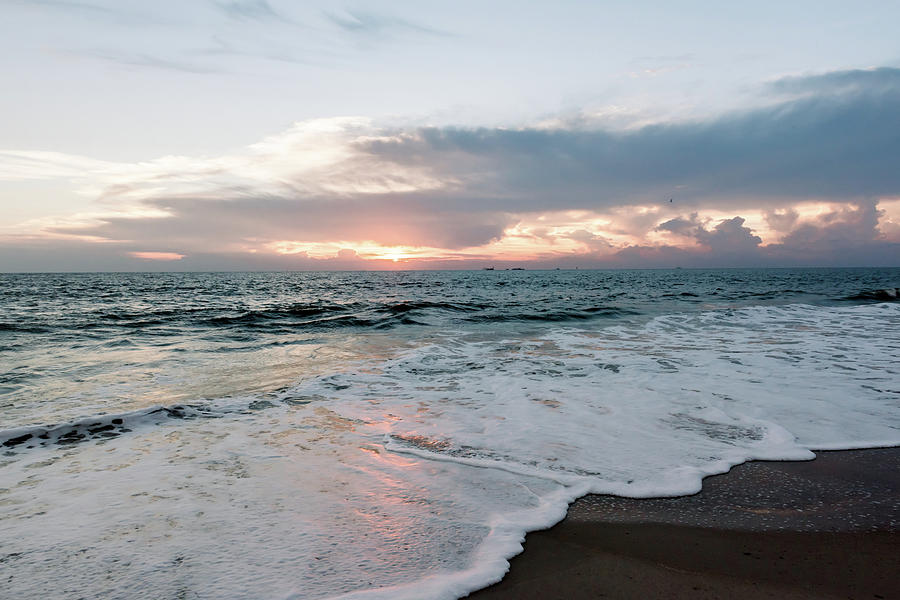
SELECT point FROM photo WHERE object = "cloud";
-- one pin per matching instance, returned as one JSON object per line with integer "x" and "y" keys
{"x": 837, "y": 143}
{"x": 69, "y": 255}
{"x": 259, "y": 10}
{"x": 842, "y": 236}
{"x": 848, "y": 236}
{"x": 588, "y": 238}
{"x": 21, "y": 165}
{"x": 71, "y": 6}
{"x": 782, "y": 220}
{"x": 795, "y": 182}
{"x": 132, "y": 59}
{"x": 202, "y": 38}
{"x": 116, "y": 12}
{"x": 687, "y": 227}
{"x": 883, "y": 79}
{"x": 85, "y": 8}
{"x": 729, "y": 236}
{"x": 207, "y": 223}
{"x": 372, "y": 25}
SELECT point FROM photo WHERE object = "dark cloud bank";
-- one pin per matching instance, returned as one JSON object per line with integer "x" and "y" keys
{"x": 832, "y": 137}
{"x": 842, "y": 239}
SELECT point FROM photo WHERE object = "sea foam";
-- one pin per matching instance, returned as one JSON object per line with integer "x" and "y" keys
{"x": 418, "y": 473}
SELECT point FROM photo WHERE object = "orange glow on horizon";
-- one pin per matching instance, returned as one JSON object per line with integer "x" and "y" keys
{"x": 564, "y": 234}
{"x": 365, "y": 250}
{"x": 157, "y": 255}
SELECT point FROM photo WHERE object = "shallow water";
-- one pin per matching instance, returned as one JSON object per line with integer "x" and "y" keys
{"x": 312, "y": 435}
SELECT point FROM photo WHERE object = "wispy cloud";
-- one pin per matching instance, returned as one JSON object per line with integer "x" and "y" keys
{"x": 130, "y": 59}
{"x": 70, "y": 6}
{"x": 652, "y": 66}
{"x": 259, "y": 10}
{"x": 118, "y": 12}
{"x": 222, "y": 46}
{"x": 367, "y": 23}
{"x": 247, "y": 9}
{"x": 200, "y": 42}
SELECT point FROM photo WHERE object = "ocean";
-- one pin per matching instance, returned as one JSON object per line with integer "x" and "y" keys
{"x": 395, "y": 434}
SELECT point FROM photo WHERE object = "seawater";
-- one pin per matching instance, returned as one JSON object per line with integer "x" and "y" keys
{"x": 394, "y": 435}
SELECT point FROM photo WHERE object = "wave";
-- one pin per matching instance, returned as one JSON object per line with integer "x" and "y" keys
{"x": 265, "y": 318}
{"x": 327, "y": 316}
{"x": 405, "y": 307}
{"x": 387, "y": 315}
{"x": 22, "y": 328}
{"x": 332, "y": 316}
{"x": 882, "y": 295}
{"x": 774, "y": 294}
{"x": 252, "y": 317}
{"x": 99, "y": 427}
{"x": 386, "y": 309}
{"x": 512, "y": 428}
{"x": 595, "y": 312}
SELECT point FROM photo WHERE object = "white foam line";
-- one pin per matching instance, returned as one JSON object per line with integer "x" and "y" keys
{"x": 868, "y": 445}
{"x": 15, "y": 432}
{"x": 504, "y": 541}
{"x": 481, "y": 463}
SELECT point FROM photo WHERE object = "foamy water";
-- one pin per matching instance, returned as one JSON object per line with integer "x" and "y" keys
{"x": 409, "y": 463}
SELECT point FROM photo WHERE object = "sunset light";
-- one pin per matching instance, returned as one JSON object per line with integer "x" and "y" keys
{"x": 157, "y": 255}
{"x": 403, "y": 300}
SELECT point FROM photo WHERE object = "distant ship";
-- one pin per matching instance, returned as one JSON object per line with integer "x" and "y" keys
{"x": 488, "y": 269}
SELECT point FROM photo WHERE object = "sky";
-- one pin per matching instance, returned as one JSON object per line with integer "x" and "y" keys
{"x": 269, "y": 135}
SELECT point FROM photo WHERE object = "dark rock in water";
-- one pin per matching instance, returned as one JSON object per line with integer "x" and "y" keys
{"x": 117, "y": 421}
{"x": 11, "y": 442}
{"x": 260, "y": 405}
{"x": 73, "y": 437}
{"x": 883, "y": 295}
{"x": 176, "y": 412}
{"x": 96, "y": 430}
{"x": 300, "y": 400}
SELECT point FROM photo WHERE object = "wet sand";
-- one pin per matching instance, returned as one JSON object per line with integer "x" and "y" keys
{"x": 827, "y": 528}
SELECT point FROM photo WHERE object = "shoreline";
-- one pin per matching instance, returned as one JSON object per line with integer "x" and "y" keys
{"x": 826, "y": 528}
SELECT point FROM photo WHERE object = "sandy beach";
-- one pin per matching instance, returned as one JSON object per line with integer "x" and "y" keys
{"x": 827, "y": 528}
